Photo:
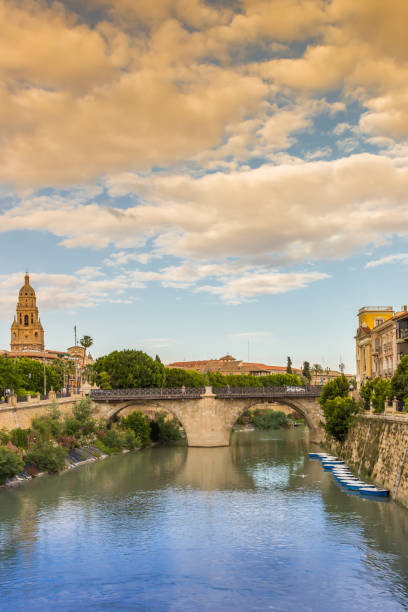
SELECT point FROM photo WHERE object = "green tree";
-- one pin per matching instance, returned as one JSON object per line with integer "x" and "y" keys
{"x": 64, "y": 369}
{"x": 53, "y": 379}
{"x": 45, "y": 428}
{"x": 4, "y": 436}
{"x": 164, "y": 431}
{"x": 20, "y": 437}
{"x": 47, "y": 455}
{"x": 103, "y": 380}
{"x": 272, "y": 380}
{"x": 306, "y": 370}
{"x": 83, "y": 410}
{"x": 137, "y": 422}
{"x": 338, "y": 387}
{"x": 10, "y": 463}
{"x": 177, "y": 377}
{"x": 130, "y": 369}
{"x": 269, "y": 419}
{"x": 32, "y": 374}
{"x": 376, "y": 392}
{"x": 399, "y": 382}
{"x": 9, "y": 375}
{"x": 339, "y": 413}
{"x": 289, "y": 366}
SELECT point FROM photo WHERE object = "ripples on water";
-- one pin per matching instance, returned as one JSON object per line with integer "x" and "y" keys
{"x": 257, "y": 526}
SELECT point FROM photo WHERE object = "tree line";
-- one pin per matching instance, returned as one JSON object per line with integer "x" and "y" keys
{"x": 26, "y": 376}
{"x": 130, "y": 369}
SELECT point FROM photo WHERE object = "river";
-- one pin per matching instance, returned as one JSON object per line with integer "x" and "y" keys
{"x": 257, "y": 526}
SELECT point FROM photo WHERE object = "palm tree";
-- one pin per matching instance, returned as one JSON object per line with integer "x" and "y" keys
{"x": 317, "y": 369}
{"x": 86, "y": 342}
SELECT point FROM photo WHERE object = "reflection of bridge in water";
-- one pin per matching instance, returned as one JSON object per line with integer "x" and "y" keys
{"x": 208, "y": 415}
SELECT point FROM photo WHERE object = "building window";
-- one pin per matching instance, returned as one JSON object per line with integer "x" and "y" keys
{"x": 32, "y": 320}
{"x": 36, "y": 335}
{"x": 25, "y": 319}
{"x": 378, "y": 322}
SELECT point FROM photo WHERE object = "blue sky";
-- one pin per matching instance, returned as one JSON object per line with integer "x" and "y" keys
{"x": 195, "y": 178}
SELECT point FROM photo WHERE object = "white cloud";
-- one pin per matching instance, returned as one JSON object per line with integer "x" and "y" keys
{"x": 271, "y": 215}
{"x": 250, "y": 286}
{"x": 401, "y": 258}
{"x": 68, "y": 292}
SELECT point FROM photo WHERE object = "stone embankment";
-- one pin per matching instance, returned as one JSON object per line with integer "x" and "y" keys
{"x": 376, "y": 448}
{"x": 21, "y": 414}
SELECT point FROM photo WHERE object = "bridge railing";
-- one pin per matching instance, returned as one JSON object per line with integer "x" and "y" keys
{"x": 149, "y": 393}
{"x": 195, "y": 393}
{"x": 267, "y": 392}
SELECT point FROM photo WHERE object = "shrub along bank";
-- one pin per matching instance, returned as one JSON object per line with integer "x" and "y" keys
{"x": 47, "y": 443}
{"x": 264, "y": 418}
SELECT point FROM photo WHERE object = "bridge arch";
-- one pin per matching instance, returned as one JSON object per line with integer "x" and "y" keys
{"x": 290, "y": 403}
{"x": 111, "y": 410}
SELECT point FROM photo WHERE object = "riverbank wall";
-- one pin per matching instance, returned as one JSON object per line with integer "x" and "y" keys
{"x": 376, "y": 449}
{"x": 22, "y": 414}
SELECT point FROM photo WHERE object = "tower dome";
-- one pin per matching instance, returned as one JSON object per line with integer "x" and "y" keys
{"x": 26, "y": 289}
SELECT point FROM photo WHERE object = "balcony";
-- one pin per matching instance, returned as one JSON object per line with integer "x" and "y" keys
{"x": 402, "y": 335}
{"x": 387, "y": 347}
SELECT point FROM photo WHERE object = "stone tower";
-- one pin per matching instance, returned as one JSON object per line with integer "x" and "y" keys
{"x": 26, "y": 330}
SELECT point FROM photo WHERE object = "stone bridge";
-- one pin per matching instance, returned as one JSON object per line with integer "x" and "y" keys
{"x": 207, "y": 415}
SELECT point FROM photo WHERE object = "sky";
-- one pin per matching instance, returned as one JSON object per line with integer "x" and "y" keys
{"x": 192, "y": 177}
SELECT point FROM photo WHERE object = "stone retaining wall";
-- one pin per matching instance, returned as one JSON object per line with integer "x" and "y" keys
{"x": 376, "y": 449}
{"x": 22, "y": 414}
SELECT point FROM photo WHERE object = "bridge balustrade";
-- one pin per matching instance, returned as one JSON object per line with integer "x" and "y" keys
{"x": 266, "y": 392}
{"x": 194, "y": 393}
{"x": 149, "y": 393}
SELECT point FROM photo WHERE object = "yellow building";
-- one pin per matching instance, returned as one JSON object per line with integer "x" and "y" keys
{"x": 26, "y": 330}
{"x": 369, "y": 317}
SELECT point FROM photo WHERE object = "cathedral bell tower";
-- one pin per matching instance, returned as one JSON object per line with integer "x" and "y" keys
{"x": 26, "y": 330}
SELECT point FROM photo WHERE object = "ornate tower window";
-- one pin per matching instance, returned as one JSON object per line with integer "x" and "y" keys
{"x": 26, "y": 320}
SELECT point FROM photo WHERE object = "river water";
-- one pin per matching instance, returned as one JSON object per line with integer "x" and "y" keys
{"x": 257, "y": 526}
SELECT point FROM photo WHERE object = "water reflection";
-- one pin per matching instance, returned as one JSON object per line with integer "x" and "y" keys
{"x": 254, "y": 526}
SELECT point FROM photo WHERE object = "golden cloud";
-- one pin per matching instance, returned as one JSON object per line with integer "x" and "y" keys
{"x": 164, "y": 82}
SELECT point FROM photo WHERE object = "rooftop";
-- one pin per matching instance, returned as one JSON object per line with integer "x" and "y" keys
{"x": 376, "y": 309}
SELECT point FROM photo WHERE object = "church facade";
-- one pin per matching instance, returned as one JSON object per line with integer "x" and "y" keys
{"x": 27, "y": 333}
